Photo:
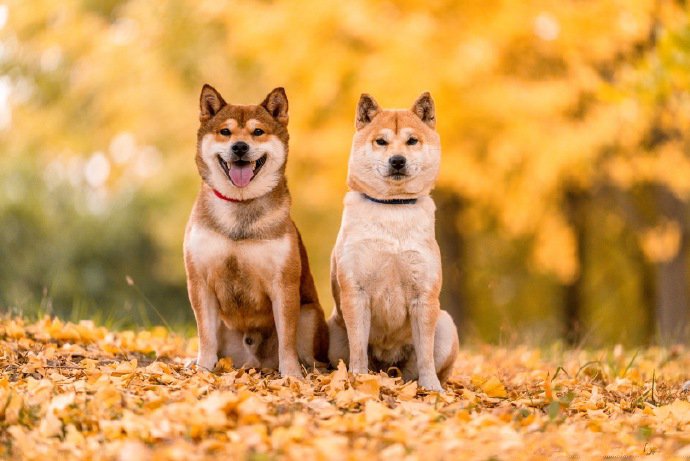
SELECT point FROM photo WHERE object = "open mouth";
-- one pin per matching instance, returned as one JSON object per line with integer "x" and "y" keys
{"x": 241, "y": 172}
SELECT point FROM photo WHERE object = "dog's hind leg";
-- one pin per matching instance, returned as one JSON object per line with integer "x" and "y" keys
{"x": 312, "y": 331}
{"x": 446, "y": 346}
{"x": 338, "y": 346}
{"x": 312, "y": 337}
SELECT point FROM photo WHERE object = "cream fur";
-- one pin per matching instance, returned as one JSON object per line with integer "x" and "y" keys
{"x": 267, "y": 257}
{"x": 386, "y": 264}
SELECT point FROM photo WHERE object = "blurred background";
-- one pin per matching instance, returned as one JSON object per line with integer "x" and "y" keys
{"x": 563, "y": 202}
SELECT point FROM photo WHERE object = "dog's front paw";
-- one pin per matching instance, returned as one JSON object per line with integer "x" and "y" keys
{"x": 292, "y": 370}
{"x": 359, "y": 365}
{"x": 207, "y": 362}
{"x": 430, "y": 383}
{"x": 358, "y": 370}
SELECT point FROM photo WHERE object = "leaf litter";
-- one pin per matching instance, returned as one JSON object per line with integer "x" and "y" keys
{"x": 79, "y": 391}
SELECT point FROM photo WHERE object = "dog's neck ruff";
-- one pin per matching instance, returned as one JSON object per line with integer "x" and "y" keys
{"x": 393, "y": 201}
{"x": 227, "y": 199}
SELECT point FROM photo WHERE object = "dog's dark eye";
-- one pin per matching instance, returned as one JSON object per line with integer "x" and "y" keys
{"x": 258, "y": 132}
{"x": 381, "y": 142}
{"x": 412, "y": 141}
{"x": 225, "y": 132}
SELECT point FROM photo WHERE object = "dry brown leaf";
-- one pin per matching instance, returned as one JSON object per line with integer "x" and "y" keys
{"x": 102, "y": 396}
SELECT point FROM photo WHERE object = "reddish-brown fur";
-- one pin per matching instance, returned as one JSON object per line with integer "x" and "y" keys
{"x": 230, "y": 248}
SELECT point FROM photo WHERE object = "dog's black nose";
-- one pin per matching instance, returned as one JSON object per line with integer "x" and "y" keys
{"x": 397, "y": 162}
{"x": 240, "y": 148}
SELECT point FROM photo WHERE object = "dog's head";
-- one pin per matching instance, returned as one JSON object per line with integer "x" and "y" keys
{"x": 242, "y": 150}
{"x": 395, "y": 153}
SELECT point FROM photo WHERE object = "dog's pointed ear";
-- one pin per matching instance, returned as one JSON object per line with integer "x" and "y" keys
{"x": 210, "y": 102}
{"x": 367, "y": 108}
{"x": 276, "y": 103}
{"x": 423, "y": 107}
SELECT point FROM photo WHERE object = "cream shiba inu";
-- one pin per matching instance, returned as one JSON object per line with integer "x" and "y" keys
{"x": 248, "y": 275}
{"x": 386, "y": 264}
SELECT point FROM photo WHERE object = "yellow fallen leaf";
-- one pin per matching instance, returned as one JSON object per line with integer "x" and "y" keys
{"x": 339, "y": 377}
{"x": 251, "y": 410}
{"x": 125, "y": 368}
{"x": 51, "y": 425}
{"x": 108, "y": 396}
{"x": 224, "y": 365}
{"x": 469, "y": 395}
{"x": 368, "y": 384}
{"x": 408, "y": 391}
{"x": 13, "y": 407}
{"x": 14, "y": 329}
{"x": 492, "y": 386}
{"x": 678, "y": 411}
{"x": 375, "y": 411}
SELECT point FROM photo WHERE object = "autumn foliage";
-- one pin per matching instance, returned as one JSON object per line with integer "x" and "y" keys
{"x": 78, "y": 391}
{"x": 565, "y": 178}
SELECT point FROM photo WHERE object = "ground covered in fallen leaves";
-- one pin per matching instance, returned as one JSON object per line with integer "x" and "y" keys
{"x": 77, "y": 391}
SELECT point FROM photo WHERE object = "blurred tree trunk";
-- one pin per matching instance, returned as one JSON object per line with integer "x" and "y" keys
{"x": 449, "y": 206}
{"x": 648, "y": 294}
{"x": 672, "y": 275}
{"x": 575, "y": 202}
{"x": 665, "y": 283}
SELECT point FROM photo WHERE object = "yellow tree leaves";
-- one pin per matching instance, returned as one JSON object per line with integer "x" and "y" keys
{"x": 504, "y": 83}
{"x": 531, "y": 97}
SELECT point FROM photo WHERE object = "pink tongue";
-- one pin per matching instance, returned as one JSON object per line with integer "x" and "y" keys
{"x": 241, "y": 175}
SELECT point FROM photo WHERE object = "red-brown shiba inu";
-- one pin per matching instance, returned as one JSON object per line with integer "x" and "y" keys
{"x": 386, "y": 264}
{"x": 248, "y": 275}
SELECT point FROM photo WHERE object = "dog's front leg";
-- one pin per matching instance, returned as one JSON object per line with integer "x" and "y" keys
{"x": 354, "y": 306}
{"x": 424, "y": 314}
{"x": 206, "y": 312}
{"x": 286, "y": 311}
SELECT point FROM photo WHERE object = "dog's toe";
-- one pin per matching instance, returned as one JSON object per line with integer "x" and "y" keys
{"x": 431, "y": 384}
{"x": 207, "y": 363}
{"x": 293, "y": 371}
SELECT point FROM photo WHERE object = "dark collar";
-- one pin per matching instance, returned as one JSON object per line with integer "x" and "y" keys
{"x": 393, "y": 201}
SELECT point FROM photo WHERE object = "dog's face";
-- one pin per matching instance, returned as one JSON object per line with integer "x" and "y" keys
{"x": 395, "y": 153}
{"x": 242, "y": 150}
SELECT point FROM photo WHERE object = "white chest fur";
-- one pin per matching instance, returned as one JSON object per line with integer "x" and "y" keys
{"x": 208, "y": 249}
{"x": 390, "y": 253}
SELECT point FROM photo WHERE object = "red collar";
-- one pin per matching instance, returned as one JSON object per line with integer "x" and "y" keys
{"x": 227, "y": 199}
